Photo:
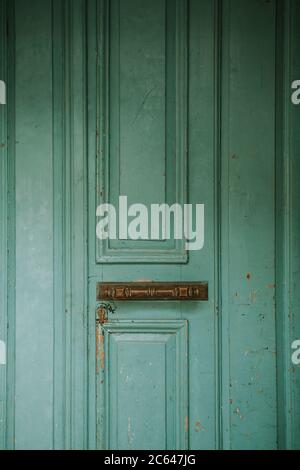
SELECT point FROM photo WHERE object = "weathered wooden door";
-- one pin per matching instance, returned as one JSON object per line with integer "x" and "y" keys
{"x": 156, "y": 364}
{"x": 162, "y": 101}
{"x": 156, "y": 87}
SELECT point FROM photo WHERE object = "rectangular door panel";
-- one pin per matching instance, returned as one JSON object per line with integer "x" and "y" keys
{"x": 142, "y": 99}
{"x": 144, "y": 384}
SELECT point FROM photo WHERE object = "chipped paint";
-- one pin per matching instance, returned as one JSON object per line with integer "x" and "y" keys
{"x": 130, "y": 433}
{"x": 100, "y": 355}
{"x": 102, "y": 315}
{"x": 253, "y": 297}
{"x": 186, "y": 424}
{"x": 199, "y": 427}
{"x": 237, "y": 411}
{"x": 102, "y": 359}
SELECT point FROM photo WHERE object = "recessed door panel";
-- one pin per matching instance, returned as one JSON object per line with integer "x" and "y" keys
{"x": 144, "y": 384}
{"x": 142, "y": 97}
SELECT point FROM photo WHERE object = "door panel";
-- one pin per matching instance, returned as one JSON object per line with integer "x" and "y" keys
{"x": 144, "y": 389}
{"x": 142, "y": 98}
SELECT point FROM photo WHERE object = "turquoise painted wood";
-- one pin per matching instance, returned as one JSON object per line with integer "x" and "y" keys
{"x": 3, "y": 237}
{"x": 162, "y": 101}
{"x": 143, "y": 93}
{"x": 288, "y": 230}
{"x": 146, "y": 384}
{"x": 248, "y": 228}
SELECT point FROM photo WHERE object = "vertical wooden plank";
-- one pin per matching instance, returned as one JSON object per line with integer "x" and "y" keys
{"x": 51, "y": 166}
{"x": 94, "y": 333}
{"x": 34, "y": 226}
{"x": 11, "y": 232}
{"x": 7, "y": 232}
{"x": 294, "y": 222}
{"x": 248, "y": 225}
{"x": 59, "y": 317}
{"x": 203, "y": 164}
{"x": 79, "y": 224}
{"x": 3, "y": 228}
{"x": 75, "y": 223}
{"x": 288, "y": 226}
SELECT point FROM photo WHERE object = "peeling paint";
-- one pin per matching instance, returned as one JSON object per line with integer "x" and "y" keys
{"x": 199, "y": 427}
{"x": 100, "y": 355}
{"x": 186, "y": 424}
{"x": 102, "y": 359}
{"x": 237, "y": 411}
{"x": 253, "y": 296}
{"x": 130, "y": 433}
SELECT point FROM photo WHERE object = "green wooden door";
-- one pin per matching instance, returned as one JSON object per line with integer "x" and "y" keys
{"x": 161, "y": 101}
{"x": 158, "y": 141}
{"x": 156, "y": 366}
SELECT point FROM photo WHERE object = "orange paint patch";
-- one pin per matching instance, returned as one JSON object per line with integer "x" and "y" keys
{"x": 99, "y": 350}
{"x": 186, "y": 424}
{"x": 199, "y": 427}
{"x": 102, "y": 359}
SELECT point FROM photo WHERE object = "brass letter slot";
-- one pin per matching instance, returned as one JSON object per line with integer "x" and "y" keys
{"x": 152, "y": 291}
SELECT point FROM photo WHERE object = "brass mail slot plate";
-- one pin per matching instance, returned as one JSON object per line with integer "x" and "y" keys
{"x": 152, "y": 291}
